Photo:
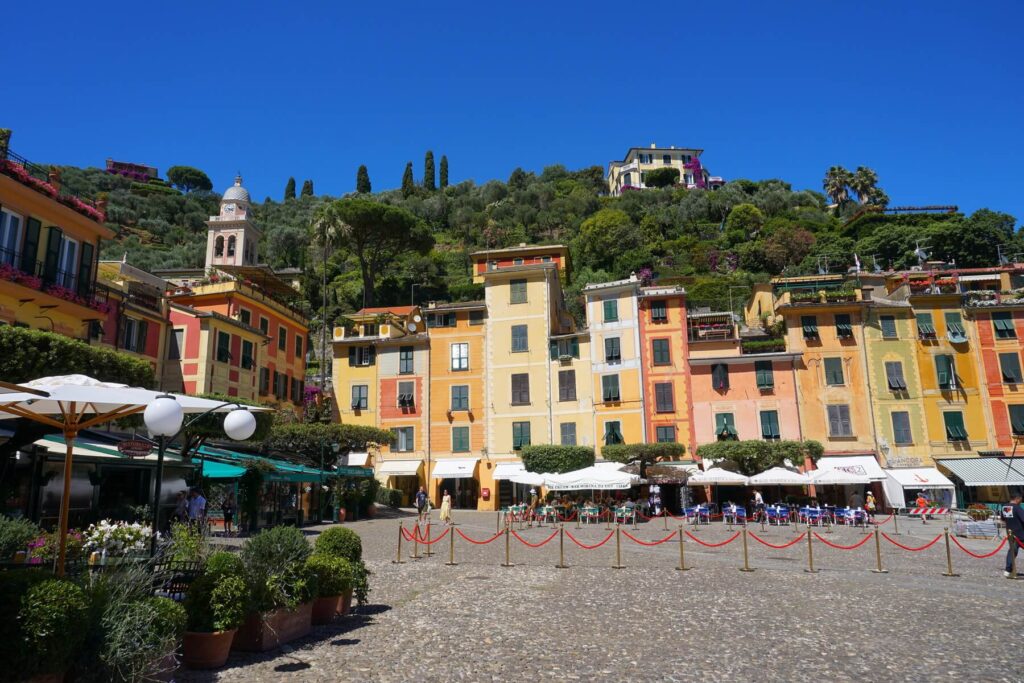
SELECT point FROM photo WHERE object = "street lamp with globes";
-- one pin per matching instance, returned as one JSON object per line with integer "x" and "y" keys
{"x": 164, "y": 418}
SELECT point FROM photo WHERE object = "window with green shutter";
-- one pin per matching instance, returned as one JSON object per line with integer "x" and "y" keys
{"x": 844, "y": 328}
{"x": 725, "y": 427}
{"x": 566, "y": 385}
{"x": 720, "y": 377}
{"x": 894, "y": 376}
{"x": 955, "y": 429}
{"x": 567, "y": 432}
{"x": 460, "y": 439}
{"x": 765, "y": 375}
{"x": 955, "y": 328}
{"x": 834, "y": 372}
{"x": 809, "y": 323}
{"x": 888, "y": 325}
{"x": 611, "y": 310}
{"x": 665, "y": 434}
{"x": 1017, "y": 420}
{"x": 664, "y": 401}
{"x": 520, "y": 339}
{"x": 517, "y": 292}
{"x": 925, "y": 328}
{"x": 248, "y": 360}
{"x": 610, "y": 388}
{"x": 613, "y": 433}
{"x": 360, "y": 396}
{"x": 1009, "y": 367}
{"x": 521, "y": 389}
{"x": 612, "y": 350}
{"x": 660, "y": 351}
{"x": 945, "y": 372}
{"x": 405, "y": 360}
{"x": 659, "y": 312}
{"x": 839, "y": 424}
{"x": 223, "y": 347}
{"x": 1003, "y": 324}
{"x": 520, "y": 435}
{"x": 565, "y": 348}
{"x": 770, "y": 425}
{"x": 460, "y": 397}
{"x": 901, "y": 434}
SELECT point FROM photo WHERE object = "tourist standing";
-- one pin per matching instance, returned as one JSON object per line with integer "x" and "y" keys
{"x": 181, "y": 508}
{"x": 197, "y": 508}
{"x": 228, "y": 508}
{"x": 421, "y": 504}
{"x": 869, "y": 506}
{"x": 856, "y": 500}
{"x": 1013, "y": 518}
{"x": 446, "y": 509}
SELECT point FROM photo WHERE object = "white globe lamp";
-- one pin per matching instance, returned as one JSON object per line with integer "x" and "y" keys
{"x": 240, "y": 424}
{"x": 163, "y": 416}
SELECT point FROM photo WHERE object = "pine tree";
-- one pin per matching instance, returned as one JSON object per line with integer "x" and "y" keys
{"x": 428, "y": 172}
{"x": 444, "y": 171}
{"x": 408, "y": 182}
{"x": 289, "y": 189}
{"x": 363, "y": 180}
{"x": 307, "y": 188}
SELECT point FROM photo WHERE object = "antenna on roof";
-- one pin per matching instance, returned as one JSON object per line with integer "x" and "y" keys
{"x": 877, "y": 266}
{"x": 920, "y": 253}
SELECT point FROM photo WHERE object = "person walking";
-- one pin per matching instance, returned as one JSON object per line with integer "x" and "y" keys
{"x": 446, "y": 509}
{"x": 228, "y": 508}
{"x": 1013, "y": 518}
{"x": 197, "y": 508}
{"x": 856, "y": 500}
{"x": 869, "y": 506}
{"x": 421, "y": 504}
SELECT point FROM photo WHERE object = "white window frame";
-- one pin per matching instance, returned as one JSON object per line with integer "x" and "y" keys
{"x": 459, "y": 353}
{"x": 5, "y": 228}
{"x": 69, "y": 275}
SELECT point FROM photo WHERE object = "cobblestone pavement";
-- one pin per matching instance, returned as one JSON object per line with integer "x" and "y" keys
{"x": 479, "y": 621}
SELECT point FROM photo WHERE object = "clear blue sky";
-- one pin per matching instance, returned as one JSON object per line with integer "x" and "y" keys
{"x": 929, "y": 94}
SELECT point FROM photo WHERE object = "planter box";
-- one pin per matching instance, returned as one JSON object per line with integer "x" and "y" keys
{"x": 325, "y": 609}
{"x": 346, "y": 602}
{"x": 266, "y": 631}
{"x": 206, "y": 650}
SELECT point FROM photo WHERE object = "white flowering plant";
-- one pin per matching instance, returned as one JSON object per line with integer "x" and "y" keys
{"x": 117, "y": 538}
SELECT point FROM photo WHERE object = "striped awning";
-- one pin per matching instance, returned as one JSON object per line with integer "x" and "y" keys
{"x": 985, "y": 471}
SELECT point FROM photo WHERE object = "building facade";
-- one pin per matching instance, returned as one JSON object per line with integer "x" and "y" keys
{"x": 631, "y": 172}
{"x": 664, "y": 356}
{"x": 137, "y": 317}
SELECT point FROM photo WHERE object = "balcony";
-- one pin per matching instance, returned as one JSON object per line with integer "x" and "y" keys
{"x": 711, "y": 326}
{"x": 754, "y": 346}
{"x": 47, "y": 182}
{"x": 59, "y": 284}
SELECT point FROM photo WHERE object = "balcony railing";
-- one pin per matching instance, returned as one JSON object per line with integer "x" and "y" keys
{"x": 38, "y": 178}
{"x": 15, "y": 267}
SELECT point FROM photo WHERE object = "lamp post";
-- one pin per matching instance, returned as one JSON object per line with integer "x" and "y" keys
{"x": 164, "y": 417}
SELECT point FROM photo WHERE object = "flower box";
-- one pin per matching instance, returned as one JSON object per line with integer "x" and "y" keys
{"x": 206, "y": 650}
{"x": 265, "y": 631}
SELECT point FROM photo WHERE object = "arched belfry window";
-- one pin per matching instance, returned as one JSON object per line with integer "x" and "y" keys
{"x": 218, "y": 246}
{"x": 231, "y": 246}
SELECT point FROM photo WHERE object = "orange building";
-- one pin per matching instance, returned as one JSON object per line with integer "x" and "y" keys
{"x": 136, "y": 321}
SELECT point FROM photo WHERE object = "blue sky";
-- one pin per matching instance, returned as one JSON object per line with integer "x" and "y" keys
{"x": 929, "y": 94}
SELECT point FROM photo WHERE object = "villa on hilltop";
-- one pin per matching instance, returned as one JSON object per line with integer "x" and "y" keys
{"x": 630, "y": 173}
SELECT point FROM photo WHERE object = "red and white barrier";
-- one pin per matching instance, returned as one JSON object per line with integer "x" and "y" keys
{"x": 928, "y": 511}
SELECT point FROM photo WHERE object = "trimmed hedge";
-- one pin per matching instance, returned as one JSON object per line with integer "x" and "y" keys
{"x": 26, "y": 355}
{"x": 340, "y": 542}
{"x": 389, "y": 497}
{"x": 555, "y": 458}
{"x": 649, "y": 452}
{"x": 755, "y": 456}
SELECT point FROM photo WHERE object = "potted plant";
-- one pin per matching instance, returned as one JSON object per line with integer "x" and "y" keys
{"x": 346, "y": 544}
{"x": 52, "y": 621}
{"x": 334, "y": 582}
{"x": 216, "y": 604}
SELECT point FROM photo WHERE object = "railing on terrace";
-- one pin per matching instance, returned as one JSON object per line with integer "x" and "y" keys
{"x": 14, "y": 267}
{"x": 42, "y": 174}
{"x": 763, "y": 346}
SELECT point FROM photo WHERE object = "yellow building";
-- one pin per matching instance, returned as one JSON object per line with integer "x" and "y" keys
{"x": 572, "y": 389}
{"x": 614, "y": 324}
{"x": 137, "y": 318}
{"x": 631, "y": 172}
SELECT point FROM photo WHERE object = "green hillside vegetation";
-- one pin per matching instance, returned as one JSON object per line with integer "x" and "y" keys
{"x": 715, "y": 242}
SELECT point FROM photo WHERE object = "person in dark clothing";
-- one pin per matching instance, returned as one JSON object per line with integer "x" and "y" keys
{"x": 1013, "y": 518}
{"x": 421, "y": 504}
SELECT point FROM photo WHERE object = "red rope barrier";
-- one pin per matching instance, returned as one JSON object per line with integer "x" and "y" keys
{"x": 475, "y": 542}
{"x": 425, "y": 541}
{"x": 886, "y": 520}
{"x": 535, "y": 545}
{"x": 975, "y": 555}
{"x": 639, "y": 542}
{"x": 590, "y": 547}
{"x": 862, "y": 541}
{"x": 1019, "y": 542}
{"x": 772, "y": 545}
{"x": 714, "y": 545}
{"x": 913, "y": 550}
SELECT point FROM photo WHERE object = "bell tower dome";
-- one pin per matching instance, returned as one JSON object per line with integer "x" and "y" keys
{"x": 233, "y": 239}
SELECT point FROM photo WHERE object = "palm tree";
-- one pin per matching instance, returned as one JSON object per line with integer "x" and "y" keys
{"x": 878, "y": 197}
{"x": 864, "y": 182}
{"x": 837, "y": 184}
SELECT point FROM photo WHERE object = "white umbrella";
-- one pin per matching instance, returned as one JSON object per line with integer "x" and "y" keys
{"x": 600, "y": 478}
{"x": 834, "y": 477}
{"x": 779, "y": 476}
{"x": 72, "y": 403}
{"x": 716, "y": 475}
{"x": 528, "y": 478}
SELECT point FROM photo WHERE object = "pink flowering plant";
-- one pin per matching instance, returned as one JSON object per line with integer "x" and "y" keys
{"x": 44, "y": 549}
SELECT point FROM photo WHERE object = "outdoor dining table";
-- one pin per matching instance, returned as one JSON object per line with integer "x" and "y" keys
{"x": 626, "y": 514}
{"x": 514, "y": 513}
{"x": 545, "y": 513}
{"x": 698, "y": 515}
{"x": 777, "y": 514}
{"x": 850, "y": 516}
{"x": 734, "y": 514}
{"x": 590, "y": 514}
{"x": 818, "y": 516}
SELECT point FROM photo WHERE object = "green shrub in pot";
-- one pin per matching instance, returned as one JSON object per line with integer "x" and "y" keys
{"x": 216, "y": 603}
{"x": 340, "y": 542}
{"x": 15, "y": 535}
{"x": 334, "y": 575}
{"x": 53, "y": 620}
{"x": 275, "y": 568}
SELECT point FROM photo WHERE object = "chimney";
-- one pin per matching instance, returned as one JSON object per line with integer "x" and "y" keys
{"x": 653, "y": 146}
{"x": 866, "y": 293}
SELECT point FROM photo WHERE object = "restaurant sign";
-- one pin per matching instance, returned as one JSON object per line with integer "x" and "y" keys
{"x": 135, "y": 448}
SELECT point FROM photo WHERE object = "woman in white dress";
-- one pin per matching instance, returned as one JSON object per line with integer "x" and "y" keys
{"x": 446, "y": 509}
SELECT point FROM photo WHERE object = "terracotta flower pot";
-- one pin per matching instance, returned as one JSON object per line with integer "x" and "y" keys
{"x": 206, "y": 650}
{"x": 341, "y": 514}
{"x": 326, "y": 608}
{"x": 262, "y": 632}
{"x": 346, "y": 602}
{"x": 371, "y": 511}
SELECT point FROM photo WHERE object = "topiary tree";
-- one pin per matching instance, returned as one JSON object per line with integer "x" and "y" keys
{"x": 187, "y": 178}
{"x": 556, "y": 458}
{"x": 661, "y": 177}
{"x": 334, "y": 575}
{"x": 275, "y": 568}
{"x": 289, "y": 189}
{"x": 754, "y": 456}
{"x": 340, "y": 542}
{"x": 54, "y": 618}
{"x": 643, "y": 454}
{"x": 15, "y": 535}
{"x": 363, "y": 180}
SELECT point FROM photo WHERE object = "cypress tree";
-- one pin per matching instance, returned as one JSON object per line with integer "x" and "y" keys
{"x": 307, "y": 188}
{"x": 444, "y": 171}
{"x": 428, "y": 172}
{"x": 408, "y": 182}
{"x": 289, "y": 189}
{"x": 363, "y": 180}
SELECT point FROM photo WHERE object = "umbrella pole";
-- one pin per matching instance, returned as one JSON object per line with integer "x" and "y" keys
{"x": 65, "y": 501}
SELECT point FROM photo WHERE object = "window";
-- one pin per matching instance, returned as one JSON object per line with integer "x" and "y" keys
{"x": 764, "y": 374}
{"x": 264, "y": 380}
{"x": 218, "y": 246}
{"x": 659, "y": 312}
{"x": 520, "y": 389}
{"x": 264, "y": 325}
{"x": 177, "y": 345}
{"x": 441, "y": 320}
{"x": 809, "y": 323}
{"x": 901, "y": 434}
{"x": 10, "y": 235}
{"x": 134, "y": 335}
{"x": 298, "y": 346}
{"x": 520, "y": 435}
{"x": 565, "y": 348}
{"x": 460, "y": 356}
{"x": 282, "y": 338}
{"x": 297, "y": 389}
{"x": 566, "y": 385}
{"x": 68, "y": 269}
{"x": 460, "y": 439}
{"x": 844, "y": 328}
{"x": 888, "y": 325}
{"x": 925, "y": 328}
{"x": 361, "y": 355}
{"x": 223, "y": 347}
{"x": 360, "y": 396}
{"x": 245, "y": 315}
{"x": 611, "y": 310}
{"x": 894, "y": 376}
{"x": 568, "y": 433}
{"x": 610, "y": 388}
{"x": 725, "y": 427}
{"x": 665, "y": 434}
{"x": 1017, "y": 420}
{"x": 520, "y": 343}
{"x": 666, "y": 158}
{"x": 946, "y": 372}
{"x": 1003, "y": 323}
{"x": 955, "y": 430}
{"x": 517, "y": 292}
{"x": 661, "y": 352}
{"x": 613, "y": 433}
{"x": 955, "y": 328}
{"x": 476, "y": 317}
{"x": 248, "y": 359}
{"x": 770, "y": 425}
{"x": 839, "y": 421}
{"x": 720, "y": 377}
{"x": 517, "y": 261}
{"x": 403, "y": 439}
{"x": 664, "y": 401}
{"x": 460, "y": 397}
{"x": 834, "y": 372}
{"x": 406, "y": 363}
{"x": 231, "y": 245}
{"x": 612, "y": 350}
{"x": 1009, "y": 366}
{"x": 406, "y": 397}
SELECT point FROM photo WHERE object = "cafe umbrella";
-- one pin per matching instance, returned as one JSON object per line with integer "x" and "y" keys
{"x": 716, "y": 476}
{"x": 73, "y": 403}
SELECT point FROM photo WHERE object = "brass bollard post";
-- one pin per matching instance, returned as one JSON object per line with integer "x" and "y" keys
{"x": 682, "y": 556}
{"x": 561, "y": 548}
{"x": 608, "y": 521}
{"x": 664, "y": 519}
{"x": 415, "y": 541}
{"x": 398, "y": 558}
{"x": 810, "y": 555}
{"x": 508, "y": 549}
{"x": 634, "y": 519}
{"x": 878, "y": 553}
{"x": 451, "y": 548}
{"x": 949, "y": 556}
{"x": 618, "y": 548}
{"x": 578, "y": 520}
{"x": 746, "y": 558}
{"x": 762, "y": 522}
{"x": 895, "y": 523}
{"x": 497, "y": 522}
{"x": 429, "y": 552}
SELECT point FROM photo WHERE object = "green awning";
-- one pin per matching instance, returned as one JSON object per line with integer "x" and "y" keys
{"x": 213, "y": 469}
{"x": 282, "y": 470}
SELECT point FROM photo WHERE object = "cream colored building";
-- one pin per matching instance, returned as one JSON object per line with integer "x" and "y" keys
{"x": 632, "y": 170}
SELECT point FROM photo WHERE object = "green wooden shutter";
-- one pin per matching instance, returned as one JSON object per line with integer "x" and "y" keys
{"x": 140, "y": 345}
{"x": 52, "y": 259}
{"x": 553, "y": 346}
{"x": 30, "y": 250}
{"x": 769, "y": 424}
{"x": 85, "y": 270}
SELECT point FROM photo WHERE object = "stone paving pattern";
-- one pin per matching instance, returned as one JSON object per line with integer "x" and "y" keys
{"x": 478, "y": 621}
